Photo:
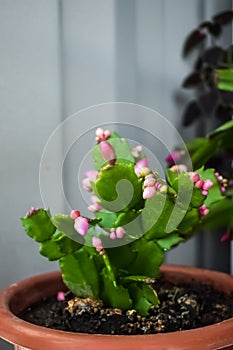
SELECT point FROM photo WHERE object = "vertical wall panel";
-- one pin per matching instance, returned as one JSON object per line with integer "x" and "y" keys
{"x": 29, "y": 112}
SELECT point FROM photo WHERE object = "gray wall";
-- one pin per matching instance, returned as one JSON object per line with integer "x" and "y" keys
{"x": 60, "y": 56}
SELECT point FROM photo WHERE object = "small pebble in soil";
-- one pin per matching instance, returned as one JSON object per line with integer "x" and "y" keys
{"x": 181, "y": 307}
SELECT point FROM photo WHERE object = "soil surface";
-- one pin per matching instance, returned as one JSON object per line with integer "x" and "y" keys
{"x": 182, "y": 307}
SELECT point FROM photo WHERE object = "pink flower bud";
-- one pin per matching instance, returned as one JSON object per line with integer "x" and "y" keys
{"x": 94, "y": 207}
{"x": 149, "y": 182}
{"x": 148, "y": 192}
{"x": 81, "y": 225}
{"x": 173, "y": 157}
{"x": 194, "y": 177}
{"x": 199, "y": 184}
{"x": 60, "y": 296}
{"x": 223, "y": 189}
{"x": 102, "y": 135}
{"x": 179, "y": 168}
{"x": 99, "y": 132}
{"x": 113, "y": 235}
{"x": 90, "y": 176}
{"x": 107, "y": 134}
{"x": 205, "y": 192}
{"x": 74, "y": 214}
{"x": 141, "y": 167}
{"x": 136, "y": 151}
{"x": 97, "y": 243}
{"x": 207, "y": 185}
{"x": 158, "y": 185}
{"x": 108, "y": 152}
{"x": 31, "y": 212}
{"x": 225, "y": 237}
{"x": 120, "y": 232}
{"x": 203, "y": 210}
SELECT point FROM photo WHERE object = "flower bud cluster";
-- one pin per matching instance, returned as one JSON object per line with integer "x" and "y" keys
{"x": 223, "y": 182}
{"x": 151, "y": 186}
{"x": 102, "y": 135}
{"x": 205, "y": 185}
{"x": 118, "y": 232}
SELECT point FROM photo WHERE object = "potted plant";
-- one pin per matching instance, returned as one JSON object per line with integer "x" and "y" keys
{"x": 112, "y": 261}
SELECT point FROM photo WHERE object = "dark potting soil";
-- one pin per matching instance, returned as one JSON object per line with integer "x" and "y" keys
{"x": 181, "y": 307}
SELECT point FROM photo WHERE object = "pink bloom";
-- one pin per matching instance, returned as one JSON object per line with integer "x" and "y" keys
{"x": 148, "y": 192}
{"x": 207, "y": 185}
{"x": 81, "y": 225}
{"x": 203, "y": 210}
{"x": 194, "y": 177}
{"x": 173, "y": 157}
{"x": 223, "y": 189}
{"x": 108, "y": 152}
{"x": 97, "y": 243}
{"x": 74, "y": 214}
{"x": 60, "y": 296}
{"x": 90, "y": 176}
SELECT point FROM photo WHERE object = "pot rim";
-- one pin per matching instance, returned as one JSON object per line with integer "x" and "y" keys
{"x": 20, "y": 332}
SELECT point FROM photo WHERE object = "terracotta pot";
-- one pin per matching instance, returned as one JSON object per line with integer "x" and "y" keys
{"x": 27, "y": 336}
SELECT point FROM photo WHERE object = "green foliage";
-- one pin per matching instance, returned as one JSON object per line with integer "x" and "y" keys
{"x": 117, "y": 256}
{"x": 144, "y": 297}
{"x": 126, "y": 189}
{"x": 38, "y": 225}
{"x": 225, "y": 79}
{"x": 115, "y": 296}
{"x": 80, "y": 274}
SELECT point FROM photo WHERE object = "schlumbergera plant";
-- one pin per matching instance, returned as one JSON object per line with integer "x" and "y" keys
{"x": 116, "y": 255}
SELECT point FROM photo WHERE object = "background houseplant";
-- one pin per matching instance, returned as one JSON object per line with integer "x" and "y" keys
{"x": 211, "y": 106}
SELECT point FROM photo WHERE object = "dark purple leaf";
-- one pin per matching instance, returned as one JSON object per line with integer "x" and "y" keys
{"x": 223, "y": 113}
{"x": 215, "y": 29}
{"x": 192, "y": 80}
{"x": 205, "y": 24}
{"x": 191, "y": 113}
{"x": 226, "y": 97}
{"x": 208, "y": 101}
{"x": 198, "y": 64}
{"x": 194, "y": 39}
{"x": 209, "y": 76}
{"x": 223, "y": 17}
{"x": 213, "y": 55}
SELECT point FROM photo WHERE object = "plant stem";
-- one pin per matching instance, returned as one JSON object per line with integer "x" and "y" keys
{"x": 109, "y": 268}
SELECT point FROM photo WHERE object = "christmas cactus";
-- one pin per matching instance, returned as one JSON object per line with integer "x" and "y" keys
{"x": 137, "y": 216}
